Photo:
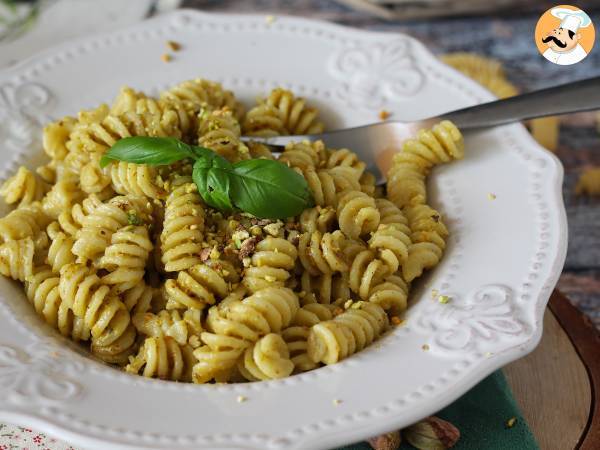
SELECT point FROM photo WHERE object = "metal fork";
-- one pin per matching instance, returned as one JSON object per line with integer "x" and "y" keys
{"x": 376, "y": 143}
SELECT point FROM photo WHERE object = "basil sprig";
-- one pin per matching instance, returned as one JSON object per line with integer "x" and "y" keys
{"x": 262, "y": 187}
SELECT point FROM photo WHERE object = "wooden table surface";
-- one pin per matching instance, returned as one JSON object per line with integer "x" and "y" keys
{"x": 508, "y": 38}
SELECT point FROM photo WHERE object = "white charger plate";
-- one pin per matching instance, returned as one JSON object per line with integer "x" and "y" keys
{"x": 502, "y": 262}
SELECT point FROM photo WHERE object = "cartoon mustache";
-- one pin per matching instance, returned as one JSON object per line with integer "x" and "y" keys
{"x": 556, "y": 41}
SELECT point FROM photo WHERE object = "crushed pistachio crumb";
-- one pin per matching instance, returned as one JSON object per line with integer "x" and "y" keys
{"x": 336, "y": 402}
{"x": 241, "y": 398}
{"x": 435, "y": 293}
{"x": 491, "y": 196}
{"x": 383, "y": 114}
{"x": 165, "y": 57}
{"x": 396, "y": 320}
{"x": 174, "y": 46}
{"x": 488, "y": 354}
{"x": 133, "y": 218}
{"x": 214, "y": 253}
{"x": 269, "y": 19}
{"x": 511, "y": 422}
{"x": 425, "y": 347}
{"x": 348, "y": 304}
{"x": 443, "y": 299}
{"x": 273, "y": 228}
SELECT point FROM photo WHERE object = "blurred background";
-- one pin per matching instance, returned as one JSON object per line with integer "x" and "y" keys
{"x": 497, "y": 34}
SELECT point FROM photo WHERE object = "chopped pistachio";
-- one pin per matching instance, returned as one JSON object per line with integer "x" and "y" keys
{"x": 174, "y": 46}
{"x": 443, "y": 299}
{"x": 491, "y": 196}
{"x": 165, "y": 57}
{"x": 133, "y": 218}
{"x": 273, "y": 228}
{"x": 241, "y": 398}
{"x": 425, "y": 347}
{"x": 511, "y": 422}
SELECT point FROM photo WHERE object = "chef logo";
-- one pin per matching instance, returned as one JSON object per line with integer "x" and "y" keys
{"x": 564, "y": 35}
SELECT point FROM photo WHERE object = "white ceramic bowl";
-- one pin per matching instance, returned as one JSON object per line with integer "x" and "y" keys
{"x": 502, "y": 261}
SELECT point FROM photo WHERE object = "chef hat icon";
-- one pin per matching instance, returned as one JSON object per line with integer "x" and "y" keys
{"x": 571, "y": 19}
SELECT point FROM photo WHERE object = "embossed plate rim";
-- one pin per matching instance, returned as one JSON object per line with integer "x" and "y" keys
{"x": 350, "y": 427}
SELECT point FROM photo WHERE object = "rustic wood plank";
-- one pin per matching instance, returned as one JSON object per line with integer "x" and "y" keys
{"x": 552, "y": 389}
{"x": 586, "y": 340}
{"x": 583, "y": 289}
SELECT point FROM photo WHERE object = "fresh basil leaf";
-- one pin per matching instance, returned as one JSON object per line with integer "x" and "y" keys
{"x": 154, "y": 151}
{"x": 269, "y": 189}
{"x": 212, "y": 176}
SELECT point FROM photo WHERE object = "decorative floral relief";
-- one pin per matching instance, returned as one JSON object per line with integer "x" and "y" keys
{"x": 37, "y": 375}
{"x": 22, "y": 114}
{"x": 374, "y": 74}
{"x": 484, "y": 317}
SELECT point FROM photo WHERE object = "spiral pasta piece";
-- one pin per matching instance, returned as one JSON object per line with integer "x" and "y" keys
{"x": 322, "y": 253}
{"x": 266, "y": 359}
{"x": 296, "y": 117}
{"x": 27, "y": 221}
{"x": 135, "y": 179}
{"x": 220, "y": 131}
{"x": 266, "y": 311}
{"x": 102, "y": 312}
{"x": 55, "y": 137}
{"x": 391, "y": 294}
{"x": 181, "y": 237}
{"x": 164, "y": 358}
{"x": 392, "y": 239}
{"x": 63, "y": 195}
{"x": 304, "y": 155}
{"x": 16, "y": 259}
{"x": 406, "y": 178}
{"x": 346, "y": 158}
{"x": 263, "y": 121}
{"x": 125, "y": 258}
{"x": 60, "y": 252}
{"x": 333, "y": 340}
{"x": 366, "y": 271}
{"x": 311, "y": 314}
{"x": 24, "y": 187}
{"x": 196, "y": 287}
{"x": 184, "y": 328}
{"x": 197, "y": 94}
{"x": 271, "y": 264}
{"x": 428, "y": 235}
{"x": 296, "y": 339}
{"x": 42, "y": 291}
{"x": 325, "y": 289}
{"x": 326, "y": 185}
{"x": 357, "y": 214}
{"x": 71, "y": 220}
{"x": 172, "y": 115}
{"x": 139, "y": 298}
{"x": 217, "y": 359}
{"x": 317, "y": 219}
{"x": 99, "y": 226}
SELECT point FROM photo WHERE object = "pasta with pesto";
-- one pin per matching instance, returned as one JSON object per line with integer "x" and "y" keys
{"x": 129, "y": 261}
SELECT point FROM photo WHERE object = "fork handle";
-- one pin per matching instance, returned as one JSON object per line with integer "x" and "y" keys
{"x": 567, "y": 98}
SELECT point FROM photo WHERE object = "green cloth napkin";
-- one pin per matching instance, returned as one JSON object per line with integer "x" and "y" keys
{"x": 481, "y": 416}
